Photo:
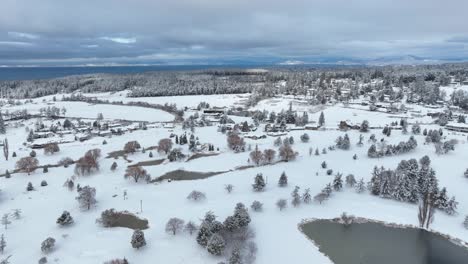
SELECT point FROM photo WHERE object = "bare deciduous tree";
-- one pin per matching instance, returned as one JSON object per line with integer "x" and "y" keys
{"x": 131, "y": 146}
{"x": 165, "y": 145}
{"x": 174, "y": 225}
{"x": 27, "y": 164}
{"x": 51, "y": 148}
{"x": 137, "y": 173}
{"x": 88, "y": 163}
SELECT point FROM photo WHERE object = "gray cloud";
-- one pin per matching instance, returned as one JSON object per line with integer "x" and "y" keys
{"x": 165, "y": 31}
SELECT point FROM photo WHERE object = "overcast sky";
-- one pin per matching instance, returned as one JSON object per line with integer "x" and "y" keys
{"x": 207, "y": 31}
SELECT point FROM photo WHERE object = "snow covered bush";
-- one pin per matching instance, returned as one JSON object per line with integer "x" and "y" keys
{"x": 117, "y": 261}
{"x": 229, "y": 188}
{"x": 269, "y": 155}
{"x": 281, "y": 204}
{"x": 256, "y": 206}
{"x": 176, "y": 155}
{"x": 190, "y": 227}
{"x": 305, "y": 138}
{"x": 196, "y": 196}
{"x": 48, "y": 245}
{"x": 138, "y": 239}
{"x": 216, "y": 245}
{"x": 65, "y": 219}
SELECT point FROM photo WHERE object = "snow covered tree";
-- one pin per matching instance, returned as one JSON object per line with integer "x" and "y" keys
{"x": 350, "y": 180}
{"x": 281, "y": 204}
{"x": 51, "y": 148}
{"x": 235, "y": 257}
{"x": 337, "y": 182}
{"x": 306, "y": 196}
{"x": 229, "y": 188}
{"x": 283, "y": 180}
{"x": 29, "y": 187}
{"x": 321, "y": 120}
{"x": 138, "y": 239}
{"x": 416, "y": 129}
{"x": 174, "y": 225}
{"x": 86, "y": 197}
{"x": 324, "y": 165}
{"x": 287, "y": 153}
{"x": 305, "y": 138}
{"x": 256, "y": 206}
{"x": 48, "y": 245}
{"x": 65, "y": 219}
{"x": 451, "y": 206}
{"x": 426, "y": 210}
{"x": 216, "y": 245}
{"x": 259, "y": 183}
{"x": 295, "y": 197}
{"x": 360, "y": 186}
{"x": 2, "y": 244}
{"x": 269, "y": 155}
{"x": 190, "y": 227}
{"x": 204, "y": 234}
{"x": 131, "y": 147}
{"x": 364, "y": 126}
{"x": 113, "y": 166}
{"x": 242, "y": 215}
{"x": 6, "y": 149}
{"x": 328, "y": 189}
{"x": 2, "y": 124}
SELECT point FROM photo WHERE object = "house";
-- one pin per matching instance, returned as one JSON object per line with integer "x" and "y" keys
{"x": 458, "y": 127}
{"x": 345, "y": 126}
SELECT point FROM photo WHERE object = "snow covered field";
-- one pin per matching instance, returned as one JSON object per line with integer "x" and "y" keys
{"x": 87, "y": 242}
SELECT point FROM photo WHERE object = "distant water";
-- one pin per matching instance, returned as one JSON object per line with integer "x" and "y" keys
{"x": 35, "y": 73}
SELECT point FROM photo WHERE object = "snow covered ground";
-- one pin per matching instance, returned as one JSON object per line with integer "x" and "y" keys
{"x": 87, "y": 242}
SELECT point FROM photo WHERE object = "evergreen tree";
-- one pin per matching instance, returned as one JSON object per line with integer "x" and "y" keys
{"x": 138, "y": 239}
{"x": 242, "y": 215}
{"x": 259, "y": 183}
{"x": 337, "y": 182}
{"x": 307, "y": 197}
{"x": 2, "y": 124}
{"x": 2, "y": 244}
{"x": 204, "y": 234}
{"x": 296, "y": 197}
{"x": 216, "y": 245}
{"x": 235, "y": 257}
{"x": 283, "y": 180}
{"x": 360, "y": 186}
{"x": 321, "y": 120}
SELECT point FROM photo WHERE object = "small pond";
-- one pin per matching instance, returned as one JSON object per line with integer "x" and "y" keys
{"x": 374, "y": 243}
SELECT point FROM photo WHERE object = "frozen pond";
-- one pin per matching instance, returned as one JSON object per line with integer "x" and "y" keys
{"x": 373, "y": 243}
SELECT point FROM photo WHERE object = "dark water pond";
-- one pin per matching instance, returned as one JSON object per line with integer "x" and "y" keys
{"x": 373, "y": 243}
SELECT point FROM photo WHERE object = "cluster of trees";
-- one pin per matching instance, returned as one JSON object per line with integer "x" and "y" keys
{"x": 89, "y": 163}
{"x": 343, "y": 142}
{"x": 411, "y": 182}
{"x": 390, "y": 150}
{"x": 232, "y": 235}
